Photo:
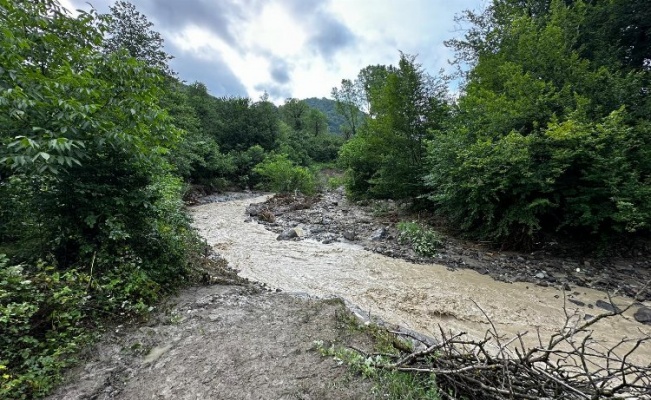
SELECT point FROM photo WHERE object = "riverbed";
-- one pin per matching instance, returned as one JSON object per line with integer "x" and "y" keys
{"x": 420, "y": 297}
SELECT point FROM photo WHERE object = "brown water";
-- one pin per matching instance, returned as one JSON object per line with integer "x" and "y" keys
{"x": 419, "y": 297}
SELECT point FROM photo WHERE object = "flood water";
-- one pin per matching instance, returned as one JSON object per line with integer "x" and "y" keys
{"x": 416, "y": 296}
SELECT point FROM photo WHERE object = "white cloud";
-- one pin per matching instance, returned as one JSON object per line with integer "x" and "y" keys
{"x": 301, "y": 47}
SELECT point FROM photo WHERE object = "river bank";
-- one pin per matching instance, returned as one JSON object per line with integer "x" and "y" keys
{"x": 224, "y": 342}
{"x": 418, "y": 296}
{"x": 258, "y": 340}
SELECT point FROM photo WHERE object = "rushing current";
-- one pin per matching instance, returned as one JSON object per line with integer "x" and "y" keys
{"x": 421, "y": 297}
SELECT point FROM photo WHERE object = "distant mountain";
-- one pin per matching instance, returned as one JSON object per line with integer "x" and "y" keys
{"x": 327, "y": 106}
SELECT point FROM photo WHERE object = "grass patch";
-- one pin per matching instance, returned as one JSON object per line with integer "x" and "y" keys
{"x": 389, "y": 384}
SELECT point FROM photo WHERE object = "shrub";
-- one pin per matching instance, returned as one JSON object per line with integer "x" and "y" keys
{"x": 281, "y": 175}
{"x": 424, "y": 241}
{"x": 573, "y": 177}
{"x": 41, "y": 315}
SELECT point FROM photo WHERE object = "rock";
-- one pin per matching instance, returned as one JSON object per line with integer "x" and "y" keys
{"x": 378, "y": 234}
{"x": 349, "y": 235}
{"x": 577, "y": 302}
{"x": 541, "y": 275}
{"x": 588, "y": 317}
{"x": 607, "y": 306}
{"x": 643, "y": 315}
{"x": 291, "y": 234}
{"x": 254, "y": 209}
{"x": 267, "y": 216}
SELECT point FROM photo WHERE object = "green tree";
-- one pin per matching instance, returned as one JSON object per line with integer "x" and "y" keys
{"x": 129, "y": 30}
{"x": 294, "y": 112}
{"x": 84, "y": 185}
{"x": 243, "y": 124}
{"x": 316, "y": 123}
{"x": 386, "y": 159}
{"x": 550, "y": 133}
{"x": 196, "y": 158}
{"x": 336, "y": 122}
{"x": 349, "y": 100}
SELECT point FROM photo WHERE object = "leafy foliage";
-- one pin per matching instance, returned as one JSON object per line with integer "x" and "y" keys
{"x": 85, "y": 187}
{"x": 386, "y": 158}
{"x": 544, "y": 139}
{"x": 348, "y": 102}
{"x": 57, "y": 301}
{"x": 336, "y": 121}
{"x": 130, "y": 30}
{"x": 281, "y": 175}
{"x": 423, "y": 240}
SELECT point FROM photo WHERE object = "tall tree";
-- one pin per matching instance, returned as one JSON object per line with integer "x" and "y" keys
{"x": 81, "y": 133}
{"x": 386, "y": 159}
{"x": 130, "y": 30}
{"x": 294, "y": 112}
{"x": 316, "y": 123}
{"x": 349, "y": 101}
{"x": 551, "y": 132}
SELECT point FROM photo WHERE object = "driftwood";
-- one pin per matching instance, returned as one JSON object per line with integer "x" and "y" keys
{"x": 570, "y": 364}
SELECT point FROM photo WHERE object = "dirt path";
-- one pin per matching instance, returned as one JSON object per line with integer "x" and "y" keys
{"x": 418, "y": 296}
{"x": 223, "y": 342}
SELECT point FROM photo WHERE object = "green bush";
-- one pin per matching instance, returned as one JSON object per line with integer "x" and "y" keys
{"x": 281, "y": 175}
{"x": 42, "y": 312}
{"x": 245, "y": 161}
{"x": 423, "y": 241}
{"x": 574, "y": 176}
{"x": 87, "y": 189}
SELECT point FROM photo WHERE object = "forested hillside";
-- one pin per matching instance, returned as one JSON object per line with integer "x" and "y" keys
{"x": 337, "y": 122}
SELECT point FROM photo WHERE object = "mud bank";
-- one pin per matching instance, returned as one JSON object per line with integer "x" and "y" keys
{"x": 223, "y": 342}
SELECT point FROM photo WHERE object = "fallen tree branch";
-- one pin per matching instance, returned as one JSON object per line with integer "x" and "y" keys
{"x": 572, "y": 365}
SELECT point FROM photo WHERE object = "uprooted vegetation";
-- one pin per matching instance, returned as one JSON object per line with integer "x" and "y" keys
{"x": 570, "y": 364}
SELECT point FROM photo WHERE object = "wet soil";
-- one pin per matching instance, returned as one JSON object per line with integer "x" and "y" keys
{"x": 330, "y": 217}
{"x": 224, "y": 342}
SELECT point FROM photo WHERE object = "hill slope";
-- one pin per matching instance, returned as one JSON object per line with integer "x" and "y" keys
{"x": 327, "y": 106}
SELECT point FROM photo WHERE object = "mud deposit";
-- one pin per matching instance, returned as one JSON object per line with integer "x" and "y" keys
{"x": 223, "y": 342}
{"x": 417, "y": 296}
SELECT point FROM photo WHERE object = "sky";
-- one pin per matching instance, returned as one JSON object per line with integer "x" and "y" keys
{"x": 295, "y": 48}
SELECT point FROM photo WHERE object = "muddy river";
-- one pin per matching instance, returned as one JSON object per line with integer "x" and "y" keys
{"x": 416, "y": 296}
